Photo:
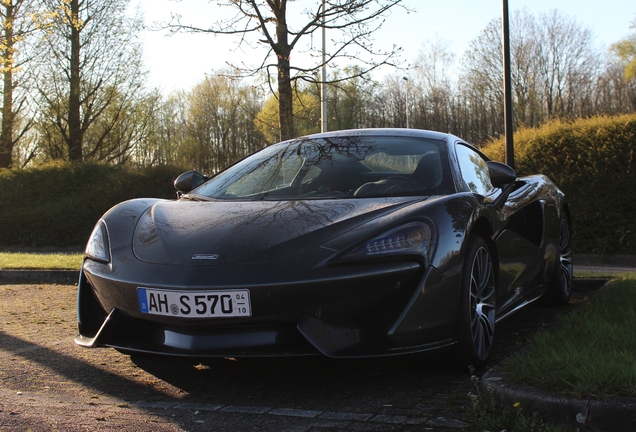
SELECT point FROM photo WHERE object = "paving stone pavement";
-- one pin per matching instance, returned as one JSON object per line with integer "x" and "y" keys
{"x": 47, "y": 383}
{"x": 36, "y": 411}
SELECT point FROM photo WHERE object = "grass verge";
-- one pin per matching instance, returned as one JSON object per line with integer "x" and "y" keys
{"x": 44, "y": 261}
{"x": 591, "y": 353}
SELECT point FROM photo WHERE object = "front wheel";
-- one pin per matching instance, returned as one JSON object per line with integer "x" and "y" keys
{"x": 476, "y": 319}
{"x": 561, "y": 283}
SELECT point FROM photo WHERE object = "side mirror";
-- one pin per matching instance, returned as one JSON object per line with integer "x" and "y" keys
{"x": 189, "y": 180}
{"x": 501, "y": 174}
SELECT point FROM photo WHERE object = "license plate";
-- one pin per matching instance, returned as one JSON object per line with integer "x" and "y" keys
{"x": 195, "y": 304}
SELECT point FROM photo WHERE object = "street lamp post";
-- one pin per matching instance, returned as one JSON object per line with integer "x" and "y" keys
{"x": 323, "y": 87}
{"x": 510, "y": 155}
{"x": 407, "y": 102}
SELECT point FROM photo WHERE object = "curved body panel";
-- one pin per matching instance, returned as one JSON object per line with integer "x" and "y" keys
{"x": 301, "y": 265}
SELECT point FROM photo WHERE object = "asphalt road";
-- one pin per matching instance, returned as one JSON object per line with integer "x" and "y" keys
{"x": 49, "y": 384}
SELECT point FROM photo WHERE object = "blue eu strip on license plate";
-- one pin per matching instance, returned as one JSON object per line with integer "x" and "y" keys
{"x": 195, "y": 304}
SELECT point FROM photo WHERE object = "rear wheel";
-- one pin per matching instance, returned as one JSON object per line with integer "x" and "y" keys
{"x": 476, "y": 320}
{"x": 561, "y": 283}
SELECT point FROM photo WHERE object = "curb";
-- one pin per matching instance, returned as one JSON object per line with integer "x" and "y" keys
{"x": 616, "y": 414}
{"x": 38, "y": 276}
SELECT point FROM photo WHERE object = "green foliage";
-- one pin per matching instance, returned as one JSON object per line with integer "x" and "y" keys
{"x": 626, "y": 51}
{"x": 591, "y": 353}
{"x": 593, "y": 161}
{"x": 57, "y": 204}
{"x": 306, "y": 112}
{"x": 47, "y": 261}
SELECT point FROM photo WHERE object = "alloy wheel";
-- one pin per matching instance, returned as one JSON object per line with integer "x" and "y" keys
{"x": 482, "y": 303}
{"x": 565, "y": 253}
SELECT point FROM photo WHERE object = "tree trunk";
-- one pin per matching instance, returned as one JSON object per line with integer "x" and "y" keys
{"x": 6, "y": 134}
{"x": 75, "y": 137}
{"x": 285, "y": 101}
{"x": 285, "y": 95}
{"x": 6, "y": 137}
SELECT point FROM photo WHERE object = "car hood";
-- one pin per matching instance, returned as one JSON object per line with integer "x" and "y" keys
{"x": 228, "y": 233}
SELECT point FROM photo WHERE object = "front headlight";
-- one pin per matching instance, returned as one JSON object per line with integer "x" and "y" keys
{"x": 415, "y": 237}
{"x": 97, "y": 247}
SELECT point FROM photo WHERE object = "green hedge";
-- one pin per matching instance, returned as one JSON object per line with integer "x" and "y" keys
{"x": 593, "y": 161}
{"x": 57, "y": 204}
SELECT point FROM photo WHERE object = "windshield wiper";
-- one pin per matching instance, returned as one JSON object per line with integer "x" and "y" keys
{"x": 261, "y": 196}
{"x": 193, "y": 197}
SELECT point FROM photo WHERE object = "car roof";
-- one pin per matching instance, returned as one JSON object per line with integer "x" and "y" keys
{"x": 450, "y": 139}
{"x": 417, "y": 133}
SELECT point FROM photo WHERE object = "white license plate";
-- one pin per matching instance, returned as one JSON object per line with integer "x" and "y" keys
{"x": 195, "y": 304}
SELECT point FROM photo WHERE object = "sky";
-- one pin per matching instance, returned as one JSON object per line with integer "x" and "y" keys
{"x": 181, "y": 61}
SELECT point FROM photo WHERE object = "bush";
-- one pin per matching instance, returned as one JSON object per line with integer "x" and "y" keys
{"x": 593, "y": 162}
{"x": 57, "y": 204}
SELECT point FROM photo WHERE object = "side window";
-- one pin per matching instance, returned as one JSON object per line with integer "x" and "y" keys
{"x": 474, "y": 170}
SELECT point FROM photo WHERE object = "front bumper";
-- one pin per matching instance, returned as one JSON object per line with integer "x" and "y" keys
{"x": 372, "y": 309}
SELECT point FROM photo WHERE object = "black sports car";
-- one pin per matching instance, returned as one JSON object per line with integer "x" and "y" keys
{"x": 350, "y": 244}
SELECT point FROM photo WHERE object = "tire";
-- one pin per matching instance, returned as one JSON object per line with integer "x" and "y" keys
{"x": 561, "y": 282}
{"x": 477, "y": 301}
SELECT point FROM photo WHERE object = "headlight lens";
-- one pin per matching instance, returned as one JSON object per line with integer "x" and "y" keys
{"x": 415, "y": 237}
{"x": 97, "y": 246}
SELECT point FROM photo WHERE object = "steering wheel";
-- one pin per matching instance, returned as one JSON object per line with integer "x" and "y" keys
{"x": 404, "y": 178}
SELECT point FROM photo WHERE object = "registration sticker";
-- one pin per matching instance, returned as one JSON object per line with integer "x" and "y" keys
{"x": 195, "y": 304}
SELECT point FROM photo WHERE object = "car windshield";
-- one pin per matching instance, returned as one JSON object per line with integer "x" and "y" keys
{"x": 336, "y": 167}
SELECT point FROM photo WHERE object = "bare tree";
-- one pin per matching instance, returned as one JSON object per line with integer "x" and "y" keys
{"x": 348, "y": 100}
{"x": 93, "y": 72}
{"x": 167, "y": 130}
{"x": 432, "y": 87}
{"x": 554, "y": 66}
{"x": 17, "y": 27}
{"x": 386, "y": 107}
{"x": 221, "y": 123}
{"x": 612, "y": 93}
{"x": 268, "y": 23}
{"x": 567, "y": 61}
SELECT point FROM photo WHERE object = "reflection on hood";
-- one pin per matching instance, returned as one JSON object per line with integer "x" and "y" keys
{"x": 173, "y": 232}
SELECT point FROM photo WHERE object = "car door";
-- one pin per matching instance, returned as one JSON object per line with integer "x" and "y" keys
{"x": 519, "y": 240}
